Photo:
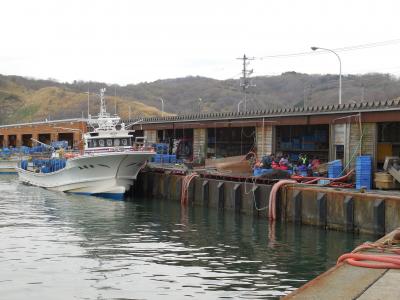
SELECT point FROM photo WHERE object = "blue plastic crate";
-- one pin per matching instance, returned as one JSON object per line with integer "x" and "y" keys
{"x": 304, "y": 173}
{"x": 157, "y": 158}
{"x": 260, "y": 171}
{"x": 364, "y": 172}
{"x": 335, "y": 168}
{"x": 324, "y": 181}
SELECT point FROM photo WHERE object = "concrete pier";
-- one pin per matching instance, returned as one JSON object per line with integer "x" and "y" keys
{"x": 349, "y": 282}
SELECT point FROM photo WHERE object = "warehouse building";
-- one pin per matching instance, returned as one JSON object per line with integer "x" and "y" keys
{"x": 327, "y": 132}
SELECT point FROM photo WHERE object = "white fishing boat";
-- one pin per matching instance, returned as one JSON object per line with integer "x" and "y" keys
{"x": 107, "y": 166}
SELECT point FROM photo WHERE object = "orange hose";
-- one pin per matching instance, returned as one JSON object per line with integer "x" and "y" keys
{"x": 272, "y": 197}
{"x": 376, "y": 261}
{"x": 185, "y": 187}
{"x": 314, "y": 179}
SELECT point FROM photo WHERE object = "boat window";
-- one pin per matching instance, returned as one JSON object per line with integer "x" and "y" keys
{"x": 116, "y": 142}
{"x": 101, "y": 143}
{"x": 109, "y": 142}
{"x": 92, "y": 143}
{"x": 124, "y": 142}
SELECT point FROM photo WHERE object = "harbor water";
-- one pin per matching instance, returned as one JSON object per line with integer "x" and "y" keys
{"x": 61, "y": 246}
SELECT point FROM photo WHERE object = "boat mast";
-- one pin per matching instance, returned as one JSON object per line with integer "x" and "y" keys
{"x": 104, "y": 121}
{"x": 103, "y": 109}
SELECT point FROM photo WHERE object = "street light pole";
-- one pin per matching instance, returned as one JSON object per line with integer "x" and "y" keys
{"x": 162, "y": 106}
{"x": 238, "y": 105}
{"x": 88, "y": 101}
{"x": 340, "y": 69}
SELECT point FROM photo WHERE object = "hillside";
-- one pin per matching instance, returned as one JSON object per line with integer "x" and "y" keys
{"x": 182, "y": 95}
{"x": 23, "y": 99}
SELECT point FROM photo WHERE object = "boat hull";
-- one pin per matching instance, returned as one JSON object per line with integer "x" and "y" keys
{"x": 8, "y": 166}
{"x": 107, "y": 175}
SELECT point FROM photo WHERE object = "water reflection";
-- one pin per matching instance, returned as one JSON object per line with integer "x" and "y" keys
{"x": 66, "y": 246}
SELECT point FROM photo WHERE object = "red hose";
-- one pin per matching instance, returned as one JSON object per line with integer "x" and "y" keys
{"x": 185, "y": 187}
{"x": 376, "y": 261}
{"x": 272, "y": 197}
{"x": 314, "y": 179}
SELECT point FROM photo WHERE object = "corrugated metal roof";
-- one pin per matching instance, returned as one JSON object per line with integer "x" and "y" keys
{"x": 42, "y": 122}
{"x": 388, "y": 105}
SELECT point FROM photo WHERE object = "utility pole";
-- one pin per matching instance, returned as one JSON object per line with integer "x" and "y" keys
{"x": 245, "y": 82}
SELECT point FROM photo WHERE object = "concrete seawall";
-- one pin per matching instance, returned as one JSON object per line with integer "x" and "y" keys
{"x": 342, "y": 209}
{"x": 241, "y": 197}
{"x": 331, "y": 208}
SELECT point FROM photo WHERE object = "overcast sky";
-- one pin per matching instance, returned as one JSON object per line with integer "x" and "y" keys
{"x": 121, "y": 41}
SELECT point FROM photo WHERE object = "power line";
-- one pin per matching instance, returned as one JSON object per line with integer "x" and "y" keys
{"x": 342, "y": 49}
{"x": 233, "y": 77}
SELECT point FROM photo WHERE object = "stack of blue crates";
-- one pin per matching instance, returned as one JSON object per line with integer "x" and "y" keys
{"x": 364, "y": 172}
{"x": 164, "y": 158}
{"x": 260, "y": 171}
{"x": 161, "y": 148}
{"x": 59, "y": 144}
{"x": 172, "y": 158}
{"x": 335, "y": 168}
{"x": 47, "y": 165}
{"x": 24, "y": 164}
